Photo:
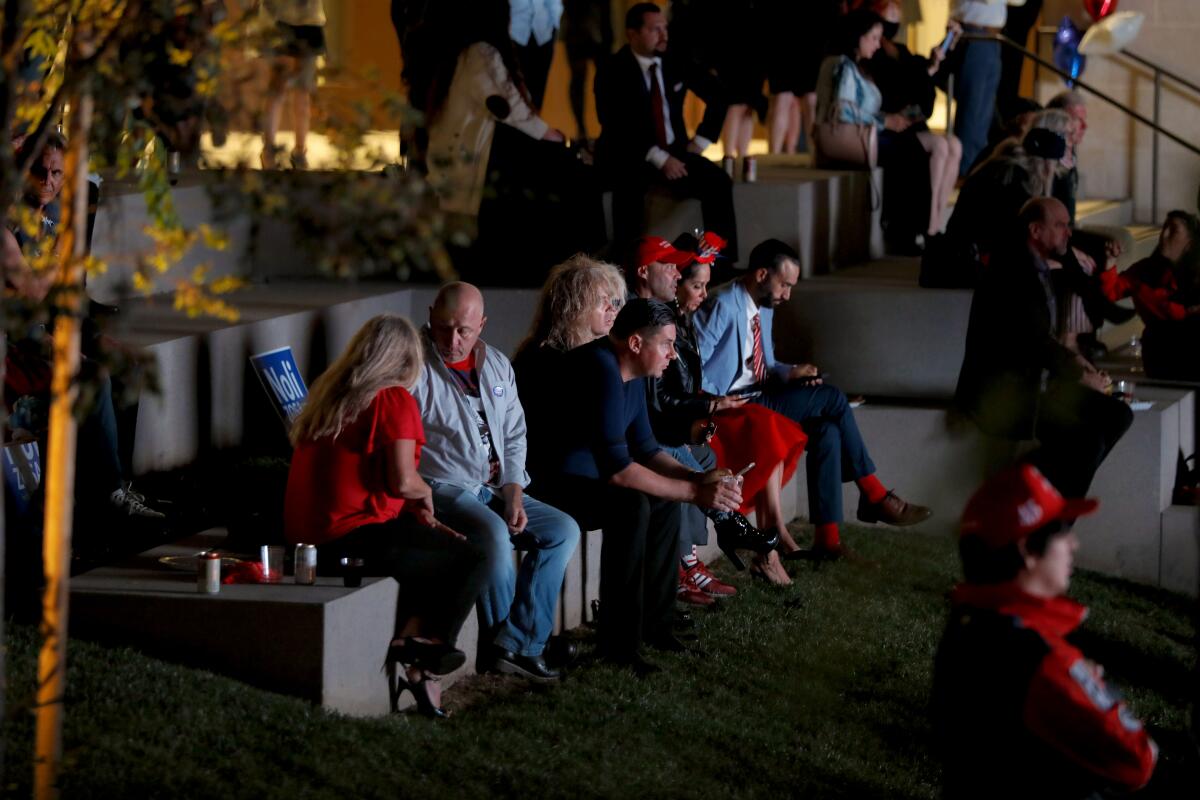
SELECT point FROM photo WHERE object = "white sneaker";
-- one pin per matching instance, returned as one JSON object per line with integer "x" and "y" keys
{"x": 133, "y": 504}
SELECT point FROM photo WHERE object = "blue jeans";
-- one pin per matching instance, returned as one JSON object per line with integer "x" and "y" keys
{"x": 693, "y": 525}
{"x": 836, "y": 453}
{"x": 975, "y": 88}
{"x": 517, "y": 606}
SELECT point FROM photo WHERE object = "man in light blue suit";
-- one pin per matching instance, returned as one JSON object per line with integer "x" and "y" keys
{"x": 734, "y": 331}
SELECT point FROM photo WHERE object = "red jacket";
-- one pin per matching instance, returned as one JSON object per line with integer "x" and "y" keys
{"x": 1020, "y": 711}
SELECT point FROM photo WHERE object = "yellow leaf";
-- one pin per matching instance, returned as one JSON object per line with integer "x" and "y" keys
{"x": 200, "y": 273}
{"x": 179, "y": 58}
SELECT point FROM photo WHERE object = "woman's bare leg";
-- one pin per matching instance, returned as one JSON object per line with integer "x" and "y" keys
{"x": 939, "y": 156}
{"x": 779, "y": 118}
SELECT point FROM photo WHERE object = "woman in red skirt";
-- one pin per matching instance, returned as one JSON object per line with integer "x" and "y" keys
{"x": 745, "y": 433}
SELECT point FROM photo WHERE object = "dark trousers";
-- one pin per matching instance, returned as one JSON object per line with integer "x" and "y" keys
{"x": 542, "y": 203}
{"x": 535, "y": 60}
{"x": 440, "y": 576}
{"x": 836, "y": 453}
{"x": 705, "y": 181}
{"x": 638, "y": 569}
{"x": 1021, "y": 20}
{"x": 1076, "y": 429}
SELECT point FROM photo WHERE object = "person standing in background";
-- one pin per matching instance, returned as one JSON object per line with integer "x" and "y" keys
{"x": 298, "y": 38}
{"x": 588, "y": 36}
{"x": 977, "y": 76}
{"x": 533, "y": 30}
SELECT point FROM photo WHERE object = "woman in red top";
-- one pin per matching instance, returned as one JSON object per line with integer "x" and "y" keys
{"x": 353, "y": 490}
{"x": 1166, "y": 293}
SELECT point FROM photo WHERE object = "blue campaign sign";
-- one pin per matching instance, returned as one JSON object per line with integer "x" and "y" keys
{"x": 281, "y": 378}
{"x": 22, "y": 472}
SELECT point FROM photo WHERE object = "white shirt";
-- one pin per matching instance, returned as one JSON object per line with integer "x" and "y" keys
{"x": 746, "y": 376}
{"x": 984, "y": 13}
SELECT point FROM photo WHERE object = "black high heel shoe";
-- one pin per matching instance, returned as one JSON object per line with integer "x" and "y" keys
{"x": 436, "y": 658}
{"x": 398, "y": 683}
{"x": 734, "y": 532}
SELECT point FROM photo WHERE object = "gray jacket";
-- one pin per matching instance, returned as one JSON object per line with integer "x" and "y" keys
{"x": 453, "y": 453}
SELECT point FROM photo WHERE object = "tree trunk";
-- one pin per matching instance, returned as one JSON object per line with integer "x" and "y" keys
{"x": 60, "y": 459}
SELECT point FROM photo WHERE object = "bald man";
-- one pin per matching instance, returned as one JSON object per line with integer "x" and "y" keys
{"x": 1017, "y": 380}
{"x": 474, "y": 459}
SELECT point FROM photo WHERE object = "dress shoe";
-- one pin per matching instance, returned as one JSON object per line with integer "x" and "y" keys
{"x": 702, "y": 578}
{"x": 734, "y": 532}
{"x": 436, "y": 658}
{"x": 560, "y": 652}
{"x": 891, "y": 510}
{"x": 532, "y": 667}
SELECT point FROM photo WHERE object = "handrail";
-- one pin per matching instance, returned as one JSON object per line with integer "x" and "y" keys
{"x": 1050, "y": 30}
{"x": 1075, "y": 81}
{"x": 1159, "y": 72}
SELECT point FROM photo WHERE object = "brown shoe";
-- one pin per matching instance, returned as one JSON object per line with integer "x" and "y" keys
{"x": 891, "y": 510}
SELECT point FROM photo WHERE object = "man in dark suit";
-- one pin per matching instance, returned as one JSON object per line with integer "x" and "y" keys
{"x": 1017, "y": 381}
{"x": 643, "y": 140}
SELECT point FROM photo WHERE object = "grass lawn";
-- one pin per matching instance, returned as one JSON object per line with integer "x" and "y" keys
{"x": 817, "y": 690}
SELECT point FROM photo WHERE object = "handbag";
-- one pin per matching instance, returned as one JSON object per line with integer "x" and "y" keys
{"x": 838, "y": 144}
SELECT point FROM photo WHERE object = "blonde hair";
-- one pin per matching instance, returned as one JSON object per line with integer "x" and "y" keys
{"x": 572, "y": 290}
{"x": 385, "y": 352}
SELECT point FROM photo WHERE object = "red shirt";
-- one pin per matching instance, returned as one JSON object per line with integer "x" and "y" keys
{"x": 338, "y": 484}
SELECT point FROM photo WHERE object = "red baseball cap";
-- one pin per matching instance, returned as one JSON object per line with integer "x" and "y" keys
{"x": 655, "y": 248}
{"x": 1016, "y": 502}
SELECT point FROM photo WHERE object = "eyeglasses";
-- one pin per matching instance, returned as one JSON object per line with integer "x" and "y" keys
{"x": 615, "y": 303}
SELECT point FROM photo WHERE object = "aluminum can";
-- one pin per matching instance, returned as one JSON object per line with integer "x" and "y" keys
{"x": 208, "y": 572}
{"x": 749, "y": 169}
{"x": 306, "y": 564}
{"x": 727, "y": 164}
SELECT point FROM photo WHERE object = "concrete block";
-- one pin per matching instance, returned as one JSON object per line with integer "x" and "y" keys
{"x": 572, "y": 606}
{"x": 930, "y": 458}
{"x": 877, "y": 337}
{"x": 324, "y": 643}
{"x": 1180, "y": 561}
{"x": 589, "y": 546}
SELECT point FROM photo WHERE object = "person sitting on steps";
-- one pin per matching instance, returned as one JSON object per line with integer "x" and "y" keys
{"x": 474, "y": 462}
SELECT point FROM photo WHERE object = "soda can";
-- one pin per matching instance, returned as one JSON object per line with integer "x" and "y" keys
{"x": 749, "y": 169}
{"x": 208, "y": 572}
{"x": 727, "y": 164}
{"x": 306, "y": 564}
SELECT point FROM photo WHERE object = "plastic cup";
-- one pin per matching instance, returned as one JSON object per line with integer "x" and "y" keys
{"x": 1123, "y": 390}
{"x": 352, "y": 572}
{"x": 271, "y": 558}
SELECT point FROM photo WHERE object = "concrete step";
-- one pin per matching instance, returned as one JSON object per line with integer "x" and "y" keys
{"x": 932, "y": 457}
{"x": 1097, "y": 211}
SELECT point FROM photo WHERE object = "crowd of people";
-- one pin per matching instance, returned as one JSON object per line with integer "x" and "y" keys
{"x": 645, "y": 405}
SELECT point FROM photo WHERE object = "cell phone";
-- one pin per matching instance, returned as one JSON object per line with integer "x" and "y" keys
{"x": 948, "y": 42}
{"x": 753, "y": 390}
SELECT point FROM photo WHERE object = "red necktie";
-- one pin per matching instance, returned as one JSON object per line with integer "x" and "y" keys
{"x": 656, "y": 106}
{"x": 760, "y": 362}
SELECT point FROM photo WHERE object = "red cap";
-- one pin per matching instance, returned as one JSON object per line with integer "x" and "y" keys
{"x": 656, "y": 248}
{"x": 1015, "y": 503}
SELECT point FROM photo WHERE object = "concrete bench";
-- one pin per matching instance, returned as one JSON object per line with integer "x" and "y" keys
{"x": 934, "y": 457}
{"x": 826, "y": 215}
{"x": 324, "y": 643}
{"x": 209, "y": 397}
{"x": 876, "y": 331}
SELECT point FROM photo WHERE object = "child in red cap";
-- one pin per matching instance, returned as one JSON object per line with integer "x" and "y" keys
{"x": 1019, "y": 711}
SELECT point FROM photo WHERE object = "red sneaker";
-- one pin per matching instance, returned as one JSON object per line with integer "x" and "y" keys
{"x": 702, "y": 578}
{"x": 688, "y": 593}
